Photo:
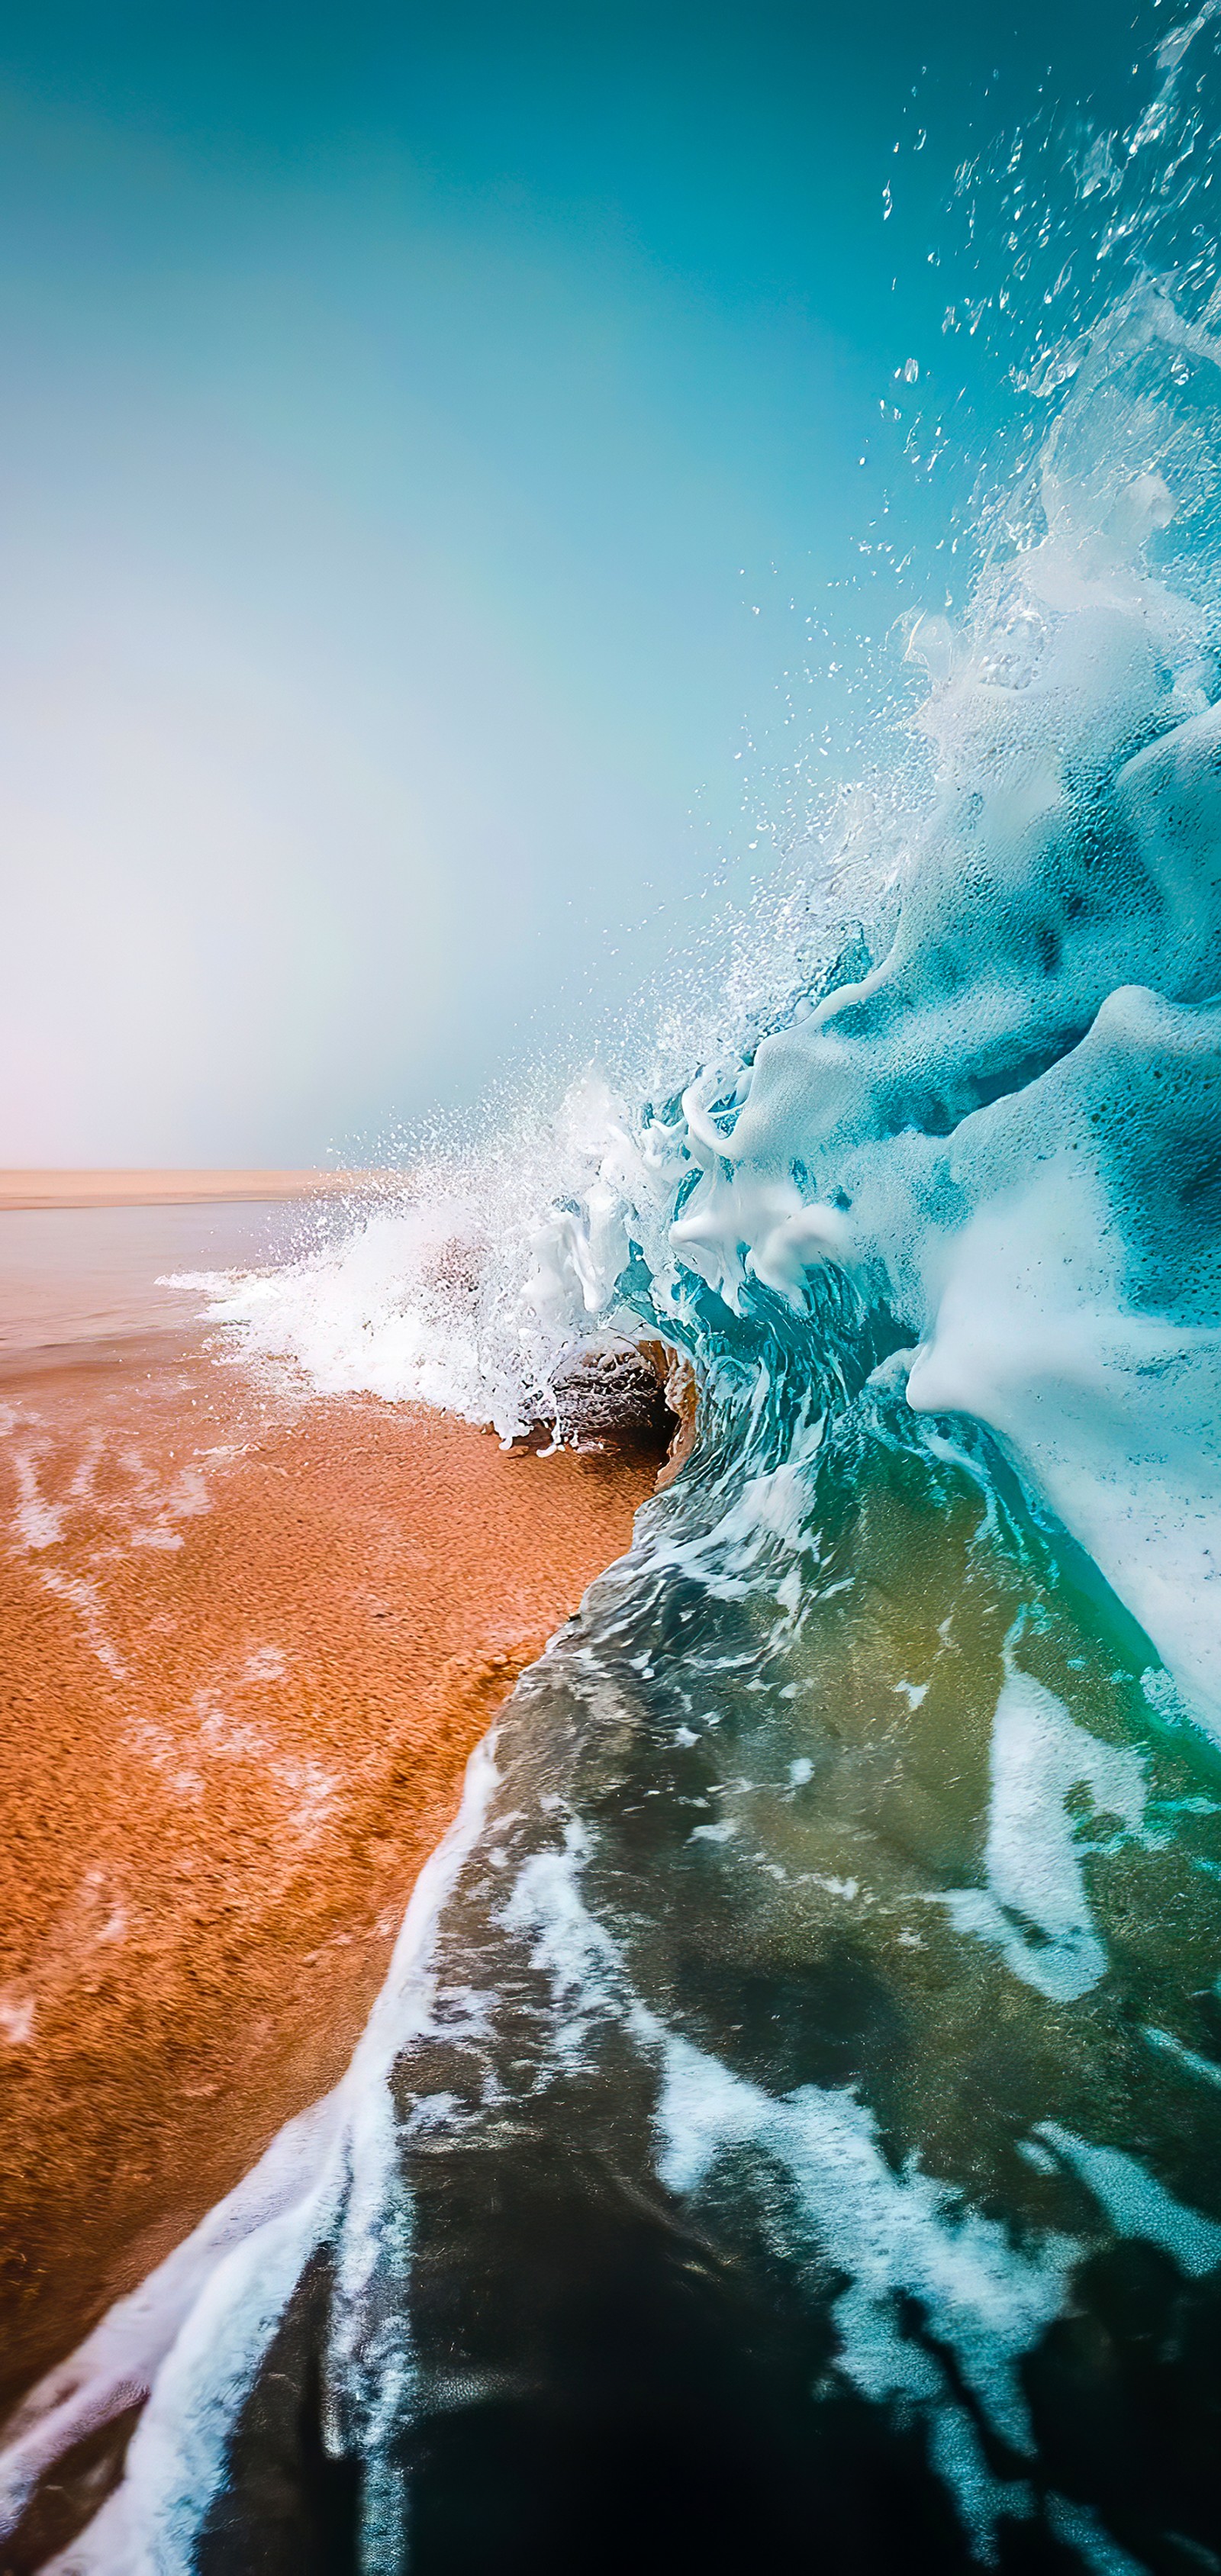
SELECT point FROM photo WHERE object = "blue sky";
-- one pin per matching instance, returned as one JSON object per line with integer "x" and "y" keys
{"x": 427, "y": 439}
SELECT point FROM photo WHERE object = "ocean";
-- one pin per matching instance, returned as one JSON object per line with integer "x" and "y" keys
{"x": 789, "y": 2129}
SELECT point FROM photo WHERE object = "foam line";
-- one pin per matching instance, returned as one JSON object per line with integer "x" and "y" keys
{"x": 282, "y": 2207}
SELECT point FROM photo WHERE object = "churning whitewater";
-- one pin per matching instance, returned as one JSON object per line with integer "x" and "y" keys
{"x": 790, "y": 2126}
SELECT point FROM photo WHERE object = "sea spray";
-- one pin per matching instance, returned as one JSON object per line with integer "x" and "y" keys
{"x": 1004, "y": 1132}
{"x": 811, "y": 2136}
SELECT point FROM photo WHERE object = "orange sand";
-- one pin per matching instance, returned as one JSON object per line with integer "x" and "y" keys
{"x": 249, "y": 1641}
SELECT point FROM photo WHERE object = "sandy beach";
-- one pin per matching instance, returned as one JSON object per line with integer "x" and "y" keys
{"x": 250, "y": 1640}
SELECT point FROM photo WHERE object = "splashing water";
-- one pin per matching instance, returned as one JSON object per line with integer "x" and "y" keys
{"x": 791, "y": 2122}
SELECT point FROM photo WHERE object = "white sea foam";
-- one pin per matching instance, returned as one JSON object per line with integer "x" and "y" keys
{"x": 1005, "y": 1130}
{"x": 900, "y": 2234}
{"x": 190, "y": 2339}
{"x": 1035, "y": 1908}
{"x": 896, "y": 2234}
{"x": 1053, "y": 1247}
{"x": 465, "y": 1287}
{"x": 976, "y": 1067}
{"x": 1135, "y": 2203}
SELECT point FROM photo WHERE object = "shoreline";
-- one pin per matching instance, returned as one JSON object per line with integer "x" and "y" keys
{"x": 253, "y": 1637}
{"x": 157, "y": 1187}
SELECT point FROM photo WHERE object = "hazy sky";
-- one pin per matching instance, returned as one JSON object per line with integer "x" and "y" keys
{"x": 425, "y": 434}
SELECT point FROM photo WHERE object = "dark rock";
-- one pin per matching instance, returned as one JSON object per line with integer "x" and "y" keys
{"x": 610, "y": 1395}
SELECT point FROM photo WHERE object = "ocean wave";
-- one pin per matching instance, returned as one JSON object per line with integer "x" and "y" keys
{"x": 810, "y": 2123}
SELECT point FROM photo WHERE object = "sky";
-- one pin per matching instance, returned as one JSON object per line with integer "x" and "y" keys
{"x": 430, "y": 440}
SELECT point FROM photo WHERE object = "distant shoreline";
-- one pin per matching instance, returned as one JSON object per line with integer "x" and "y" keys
{"x": 162, "y": 1188}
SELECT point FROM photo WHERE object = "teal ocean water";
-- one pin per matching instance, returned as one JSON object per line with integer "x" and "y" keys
{"x": 789, "y": 2131}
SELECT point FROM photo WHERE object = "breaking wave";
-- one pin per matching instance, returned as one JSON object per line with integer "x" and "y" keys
{"x": 791, "y": 2120}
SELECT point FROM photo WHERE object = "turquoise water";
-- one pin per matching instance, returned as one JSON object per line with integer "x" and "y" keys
{"x": 790, "y": 2125}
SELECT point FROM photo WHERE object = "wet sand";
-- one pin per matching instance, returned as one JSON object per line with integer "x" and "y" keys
{"x": 249, "y": 1639}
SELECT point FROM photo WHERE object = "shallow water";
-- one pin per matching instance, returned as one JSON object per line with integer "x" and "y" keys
{"x": 791, "y": 2123}
{"x": 72, "y": 1275}
{"x": 801, "y": 2111}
